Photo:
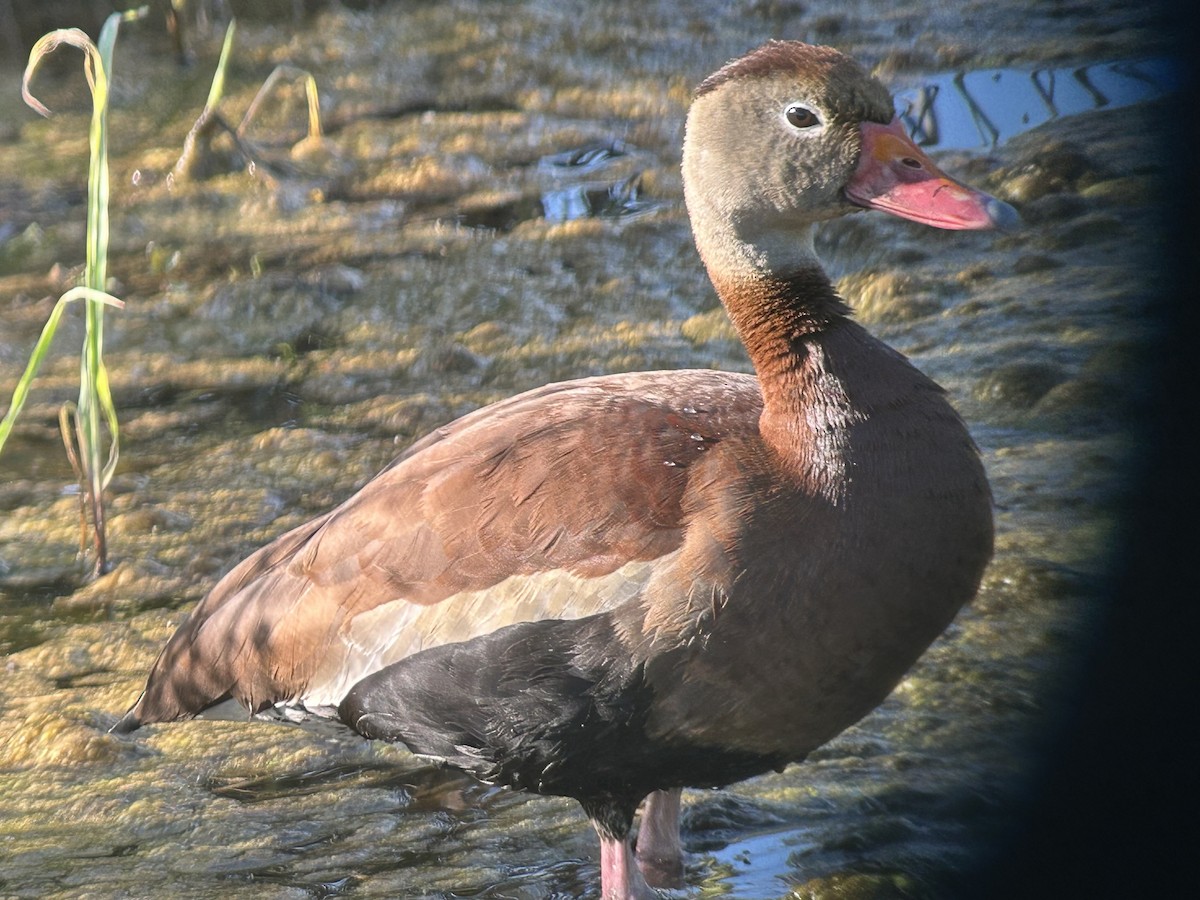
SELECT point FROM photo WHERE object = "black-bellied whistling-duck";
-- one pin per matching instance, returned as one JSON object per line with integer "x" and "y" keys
{"x": 635, "y": 583}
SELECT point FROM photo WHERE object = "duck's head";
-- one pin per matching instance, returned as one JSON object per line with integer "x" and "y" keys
{"x": 792, "y": 134}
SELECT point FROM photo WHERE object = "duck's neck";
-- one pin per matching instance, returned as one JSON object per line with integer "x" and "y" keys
{"x": 779, "y": 316}
{"x": 782, "y": 304}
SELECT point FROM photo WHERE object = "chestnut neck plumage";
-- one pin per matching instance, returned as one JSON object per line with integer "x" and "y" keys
{"x": 783, "y": 307}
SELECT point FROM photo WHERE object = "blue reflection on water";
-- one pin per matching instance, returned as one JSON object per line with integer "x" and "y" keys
{"x": 983, "y": 108}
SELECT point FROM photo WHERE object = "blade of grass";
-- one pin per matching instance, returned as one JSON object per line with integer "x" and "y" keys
{"x": 42, "y": 347}
{"x": 217, "y": 89}
{"x": 191, "y": 161}
{"x": 310, "y": 91}
{"x": 95, "y": 395}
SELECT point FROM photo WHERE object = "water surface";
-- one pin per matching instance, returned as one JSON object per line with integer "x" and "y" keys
{"x": 975, "y": 110}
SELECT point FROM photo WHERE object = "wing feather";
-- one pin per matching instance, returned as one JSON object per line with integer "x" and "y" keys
{"x": 553, "y": 504}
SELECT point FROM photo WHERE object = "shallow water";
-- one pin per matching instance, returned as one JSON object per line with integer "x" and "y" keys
{"x": 979, "y": 109}
{"x": 497, "y": 205}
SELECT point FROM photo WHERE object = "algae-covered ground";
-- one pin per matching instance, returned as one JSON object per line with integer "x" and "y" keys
{"x": 496, "y": 204}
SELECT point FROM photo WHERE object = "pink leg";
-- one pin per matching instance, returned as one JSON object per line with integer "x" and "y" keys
{"x": 620, "y": 878}
{"x": 659, "y": 849}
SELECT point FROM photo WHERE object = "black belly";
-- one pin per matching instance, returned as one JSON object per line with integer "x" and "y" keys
{"x": 554, "y": 707}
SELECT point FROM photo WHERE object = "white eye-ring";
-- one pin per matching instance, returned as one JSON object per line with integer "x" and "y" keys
{"x": 801, "y": 117}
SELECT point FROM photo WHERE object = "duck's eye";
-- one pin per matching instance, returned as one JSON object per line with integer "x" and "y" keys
{"x": 800, "y": 117}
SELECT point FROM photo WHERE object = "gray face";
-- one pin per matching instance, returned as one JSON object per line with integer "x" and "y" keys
{"x": 771, "y": 142}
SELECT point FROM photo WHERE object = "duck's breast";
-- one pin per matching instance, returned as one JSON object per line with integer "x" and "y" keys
{"x": 842, "y": 553}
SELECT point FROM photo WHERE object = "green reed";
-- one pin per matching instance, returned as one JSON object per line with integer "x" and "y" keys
{"x": 84, "y": 422}
{"x": 193, "y": 161}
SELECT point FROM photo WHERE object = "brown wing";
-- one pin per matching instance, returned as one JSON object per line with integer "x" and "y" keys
{"x": 554, "y": 504}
